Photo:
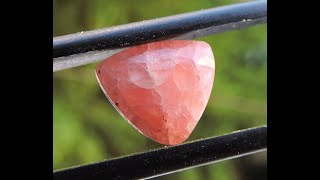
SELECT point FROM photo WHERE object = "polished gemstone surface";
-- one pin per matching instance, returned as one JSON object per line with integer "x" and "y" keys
{"x": 160, "y": 88}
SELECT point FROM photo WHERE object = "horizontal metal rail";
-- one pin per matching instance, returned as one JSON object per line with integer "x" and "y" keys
{"x": 87, "y": 47}
{"x": 171, "y": 159}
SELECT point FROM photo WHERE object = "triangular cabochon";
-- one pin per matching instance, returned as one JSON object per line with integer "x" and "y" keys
{"x": 160, "y": 88}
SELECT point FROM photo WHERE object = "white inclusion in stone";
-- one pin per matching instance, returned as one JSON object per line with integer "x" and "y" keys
{"x": 141, "y": 78}
{"x": 138, "y": 73}
{"x": 206, "y": 61}
{"x": 204, "y": 56}
{"x": 186, "y": 51}
{"x": 190, "y": 126}
{"x": 160, "y": 63}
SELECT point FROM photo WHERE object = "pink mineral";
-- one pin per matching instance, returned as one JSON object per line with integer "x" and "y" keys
{"x": 160, "y": 88}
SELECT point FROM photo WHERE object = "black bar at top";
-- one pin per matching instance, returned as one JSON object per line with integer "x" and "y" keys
{"x": 156, "y": 29}
{"x": 171, "y": 159}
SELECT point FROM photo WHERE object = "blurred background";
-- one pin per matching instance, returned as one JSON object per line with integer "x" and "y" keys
{"x": 87, "y": 128}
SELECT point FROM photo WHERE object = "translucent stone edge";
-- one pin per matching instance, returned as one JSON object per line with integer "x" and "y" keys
{"x": 122, "y": 115}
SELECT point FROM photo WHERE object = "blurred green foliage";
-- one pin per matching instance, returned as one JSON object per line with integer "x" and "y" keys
{"x": 87, "y": 128}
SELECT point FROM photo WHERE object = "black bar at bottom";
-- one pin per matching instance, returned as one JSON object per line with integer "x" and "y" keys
{"x": 167, "y": 160}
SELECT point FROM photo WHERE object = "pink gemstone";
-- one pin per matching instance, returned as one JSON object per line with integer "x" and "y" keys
{"x": 160, "y": 88}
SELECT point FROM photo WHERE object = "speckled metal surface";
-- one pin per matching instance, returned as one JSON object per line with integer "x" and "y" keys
{"x": 171, "y": 159}
{"x": 87, "y": 47}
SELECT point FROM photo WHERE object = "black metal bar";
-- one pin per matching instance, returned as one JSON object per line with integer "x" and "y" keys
{"x": 171, "y": 159}
{"x": 184, "y": 26}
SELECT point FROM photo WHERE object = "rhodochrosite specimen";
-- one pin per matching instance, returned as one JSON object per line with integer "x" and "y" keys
{"x": 160, "y": 88}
